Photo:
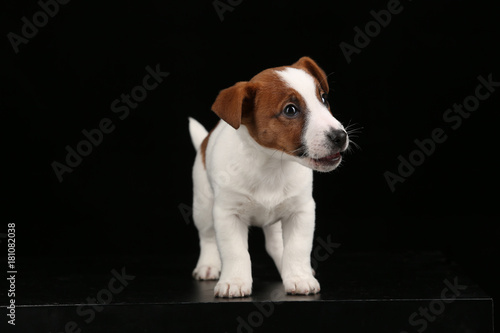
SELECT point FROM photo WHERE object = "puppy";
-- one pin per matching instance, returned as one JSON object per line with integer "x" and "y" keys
{"x": 255, "y": 169}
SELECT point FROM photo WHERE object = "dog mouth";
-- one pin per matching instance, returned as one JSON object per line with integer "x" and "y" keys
{"x": 330, "y": 159}
{"x": 325, "y": 163}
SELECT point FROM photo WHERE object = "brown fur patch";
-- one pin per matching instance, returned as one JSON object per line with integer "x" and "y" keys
{"x": 232, "y": 103}
{"x": 266, "y": 124}
{"x": 258, "y": 104}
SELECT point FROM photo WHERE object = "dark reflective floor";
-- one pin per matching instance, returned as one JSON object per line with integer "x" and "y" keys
{"x": 359, "y": 290}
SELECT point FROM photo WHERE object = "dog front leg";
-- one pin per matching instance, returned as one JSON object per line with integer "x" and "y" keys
{"x": 298, "y": 233}
{"x": 232, "y": 240}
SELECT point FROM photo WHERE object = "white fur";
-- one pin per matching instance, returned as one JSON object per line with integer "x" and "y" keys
{"x": 319, "y": 119}
{"x": 197, "y": 132}
{"x": 245, "y": 184}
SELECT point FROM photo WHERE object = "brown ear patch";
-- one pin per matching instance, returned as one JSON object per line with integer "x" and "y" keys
{"x": 235, "y": 102}
{"x": 312, "y": 68}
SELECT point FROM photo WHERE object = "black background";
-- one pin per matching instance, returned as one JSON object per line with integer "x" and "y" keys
{"x": 131, "y": 195}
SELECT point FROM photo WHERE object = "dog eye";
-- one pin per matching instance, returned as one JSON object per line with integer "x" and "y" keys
{"x": 290, "y": 111}
{"x": 324, "y": 98}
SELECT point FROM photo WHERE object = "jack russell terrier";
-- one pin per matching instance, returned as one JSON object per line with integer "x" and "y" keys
{"x": 255, "y": 169}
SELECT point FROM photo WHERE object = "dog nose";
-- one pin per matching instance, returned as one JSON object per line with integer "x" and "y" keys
{"x": 337, "y": 137}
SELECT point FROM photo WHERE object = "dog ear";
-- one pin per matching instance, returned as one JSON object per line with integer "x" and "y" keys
{"x": 312, "y": 68}
{"x": 234, "y": 103}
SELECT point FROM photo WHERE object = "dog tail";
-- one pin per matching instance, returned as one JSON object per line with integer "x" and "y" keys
{"x": 197, "y": 132}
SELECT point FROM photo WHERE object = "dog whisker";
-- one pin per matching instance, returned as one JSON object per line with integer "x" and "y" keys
{"x": 326, "y": 79}
{"x": 352, "y": 130}
{"x": 351, "y": 146}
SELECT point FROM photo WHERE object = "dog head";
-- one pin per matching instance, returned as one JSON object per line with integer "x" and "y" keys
{"x": 286, "y": 109}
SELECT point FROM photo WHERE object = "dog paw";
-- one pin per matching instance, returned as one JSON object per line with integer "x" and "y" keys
{"x": 301, "y": 285}
{"x": 206, "y": 272}
{"x": 233, "y": 288}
